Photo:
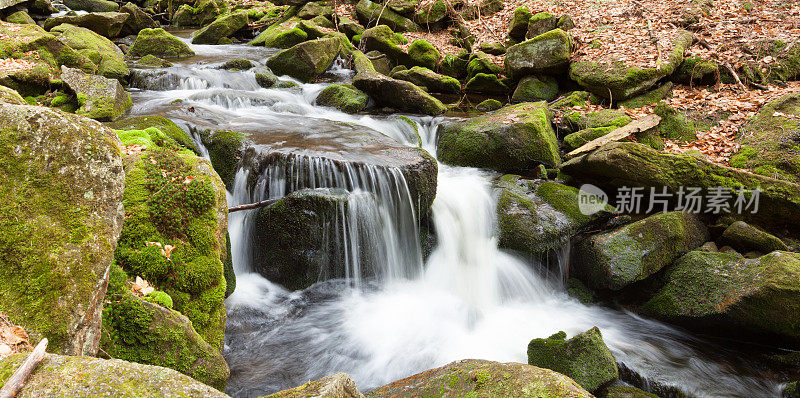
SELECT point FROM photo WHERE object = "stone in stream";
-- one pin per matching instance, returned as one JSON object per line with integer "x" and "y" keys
{"x": 159, "y": 43}
{"x": 618, "y": 258}
{"x": 635, "y": 165}
{"x": 516, "y": 137}
{"x": 546, "y": 53}
{"x": 343, "y": 97}
{"x": 222, "y": 27}
{"x": 374, "y": 13}
{"x": 613, "y": 79}
{"x": 203, "y": 12}
{"x": 83, "y": 376}
{"x": 284, "y": 35}
{"x": 137, "y": 20}
{"x": 153, "y": 61}
{"x": 536, "y": 216}
{"x": 102, "y": 52}
{"x": 307, "y": 60}
{"x": 745, "y": 237}
{"x": 92, "y": 5}
{"x": 585, "y": 358}
{"x": 100, "y": 98}
{"x": 339, "y": 385}
{"x": 626, "y": 392}
{"x": 382, "y": 38}
{"x": 725, "y": 291}
{"x": 61, "y": 215}
{"x": 107, "y": 24}
{"x": 432, "y": 81}
{"x": 480, "y": 378}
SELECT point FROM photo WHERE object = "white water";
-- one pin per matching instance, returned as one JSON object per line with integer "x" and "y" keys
{"x": 471, "y": 301}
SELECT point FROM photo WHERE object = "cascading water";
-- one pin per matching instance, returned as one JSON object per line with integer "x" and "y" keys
{"x": 469, "y": 299}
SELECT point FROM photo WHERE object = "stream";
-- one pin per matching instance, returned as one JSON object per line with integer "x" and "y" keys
{"x": 468, "y": 299}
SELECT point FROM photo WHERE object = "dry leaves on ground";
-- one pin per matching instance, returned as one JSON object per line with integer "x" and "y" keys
{"x": 142, "y": 287}
{"x": 13, "y": 338}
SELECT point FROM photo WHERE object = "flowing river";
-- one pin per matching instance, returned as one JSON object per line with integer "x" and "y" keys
{"x": 468, "y": 299}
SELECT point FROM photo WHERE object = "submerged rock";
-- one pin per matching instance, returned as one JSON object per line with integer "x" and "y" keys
{"x": 585, "y": 358}
{"x": 106, "y": 55}
{"x": 61, "y": 217}
{"x": 618, "y": 258}
{"x": 343, "y": 97}
{"x": 479, "y": 378}
{"x": 159, "y": 43}
{"x": 307, "y": 60}
{"x": 80, "y": 376}
{"x": 100, "y": 98}
{"x": 108, "y": 24}
{"x": 516, "y": 137}
{"x": 339, "y": 385}
{"x": 222, "y": 27}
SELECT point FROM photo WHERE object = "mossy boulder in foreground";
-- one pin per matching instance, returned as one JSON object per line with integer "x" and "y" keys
{"x": 78, "y": 376}
{"x": 615, "y": 259}
{"x": 307, "y": 60}
{"x": 61, "y": 180}
{"x": 513, "y": 138}
{"x": 479, "y": 378}
{"x": 585, "y": 358}
{"x": 159, "y": 43}
{"x": 726, "y": 290}
{"x": 345, "y": 97}
{"x": 338, "y": 385}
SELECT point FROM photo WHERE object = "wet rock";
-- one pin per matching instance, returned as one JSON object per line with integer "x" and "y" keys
{"x": 536, "y": 216}
{"x": 618, "y": 258}
{"x": 576, "y": 289}
{"x": 770, "y": 144}
{"x": 475, "y": 377}
{"x": 102, "y": 52}
{"x": 159, "y": 43}
{"x": 423, "y": 54}
{"x": 92, "y": 5}
{"x": 202, "y": 13}
{"x": 339, "y": 385}
{"x": 265, "y": 78}
{"x": 725, "y": 290}
{"x": 81, "y": 376}
{"x": 238, "y": 64}
{"x": 608, "y": 78}
{"x": 164, "y": 125}
{"x": 20, "y": 17}
{"x": 100, "y": 98}
{"x": 635, "y": 165}
{"x": 107, "y": 24}
{"x": 516, "y": 137}
{"x": 343, "y": 97}
{"x": 540, "y": 23}
{"x": 283, "y": 35}
{"x": 489, "y": 105}
{"x": 225, "y": 149}
{"x": 626, "y": 392}
{"x": 746, "y": 237}
{"x": 370, "y": 13}
{"x": 487, "y": 84}
{"x": 585, "y": 358}
{"x": 153, "y": 61}
{"x": 307, "y": 60}
{"x": 137, "y": 20}
{"x": 519, "y": 24}
{"x": 57, "y": 192}
{"x": 536, "y": 88}
{"x": 546, "y": 53}
{"x": 381, "y": 38}
{"x": 222, "y": 27}
{"x": 432, "y": 81}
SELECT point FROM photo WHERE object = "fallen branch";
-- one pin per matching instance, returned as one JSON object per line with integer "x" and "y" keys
{"x": 642, "y": 124}
{"x": 17, "y": 380}
{"x": 250, "y": 206}
{"x": 735, "y": 75}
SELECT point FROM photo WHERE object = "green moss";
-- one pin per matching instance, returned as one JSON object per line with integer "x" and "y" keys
{"x": 159, "y": 298}
{"x": 423, "y": 54}
{"x": 577, "y": 139}
{"x": 237, "y": 64}
{"x": 224, "y": 26}
{"x": 159, "y": 43}
{"x": 536, "y": 88}
{"x": 343, "y": 97}
{"x": 167, "y": 127}
{"x": 489, "y": 105}
{"x": 602, "y": 118}
{"x": 101, "y": 51}
{"x": 224, "y": 151}
{"x": 674, "y": 125}
{"x": 487, "y": 84}
{"x": 282, "y": 35}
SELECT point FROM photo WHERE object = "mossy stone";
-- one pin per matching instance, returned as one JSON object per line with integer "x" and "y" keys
{"x": 164, "y": 125}
{"x": 370, "y": 13}
{"x": 307, "y": 60}
{"x": 571, "y": 100}
{"x": 423, "y": 54}
{"x": 489, "y": 105}
{"x": 106, "y": 24}
{"x": 283, "y": 35}
{"x": 480, "y": 63}
{"x": 519, "y": 24}
{"x": 536, "y": 88}
{"x": 695, "y": 70}
{"x": 543, "y": 54}
{"x": 381, "y": 38}
{"x": 493, "y": 48}
{"x": 651, "y": 97}
{"x": 432, "y": 81}
{"x": 203, "y": 12}
{"x": 137, "y": 20}
{"x": 91, "y": 5}
{"x": 343, "y": 97}
{"x": 314, "y": 9}
{"x": 10, "y": 96}
{"x": 431, "y": 13}
{"x": 601, "y": 118}
{"x": 224, "y": 26}
{"x": 336, "y": 385}
{"x": 487, "y": 84}
{"x": 579, "y": 138}
{"x": 106, "y": 55}
{"x": 265, "y": 78}
{"x": 225, "y": 149}
{"x": 540, "y": 23}
{"x": 238, "y": 64}
{"x": 159, "y": 43}
{"x": 454, "y": 65}
{"x": 153, "y": 61}
{"x": 20, "y": 17}
{"x": 100, "y": 98}
{"x": 746, "y": 237}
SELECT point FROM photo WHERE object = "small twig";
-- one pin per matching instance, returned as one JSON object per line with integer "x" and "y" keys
{"x": 17, "y": 380}
{"x": 702, "y": 42}
{"x": 376, "y": 57}
{"x": 735, "y": 75}
{"x": 759, "y": 86}
{"x": 249, "y": 206}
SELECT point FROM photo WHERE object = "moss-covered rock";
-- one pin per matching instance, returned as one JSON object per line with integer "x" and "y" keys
{"x": 727, "y": 290}
{"x": 674, "y": 125}
{"x": 238, "y": 64}
{"x": 536, "y": 216}
{"x": 536, "y": 88}
{"x": 785, "y": 64}
{"x": 137, "y": 20}
{"x": 343, "y": 97}
{"x": 612, "y": 79}
{"x": 493, "y": 48}
{"x": 769, "y": 140}
{"x": 106, "y": 55}
{"x": 519, "y": 24}
{"x": 152, "y": 61}
{"x": 164, "y": 125}
{"x": 225, "y": 149}
{"x": 695, "y": 70}
{"x": 479, "y": 378}
{"x": 61, "y": 180}
{"x": 284, "y": 35}
{"x": 572, "y": 99}
{"x": 601, "y": 118}
{"x": 100, "y": 98}
{"x": 585, "y": 358}
{"x": 626, "y": 392}
{"x": 517, "y": 137}
{"x": 745, "y": 237}
{"x": 80, "y": 376}
{"x": 202, "y": 13}
{"x": 481, "y": 63}
{"x": 792, "y": 390}
{"x": 339, "y": 385}
{"x": 222, "y": 27}
{"x": 540, "y": 23}
{"x": 92, "y": 5}
{"x": 651, "y": 97}
{"x": 307, "y": 60}
{"x": 579, "y": 138}
{"x": 489, "y": 105}
{"x": 370, "y": 13}
{"x": 454, "y": 65}
{"x": 542, "y": 54}
{"x": 431, "y": 13}
{"x": 423, "y": 54}
{"x": 20, "y": 17}
{"x": 381, "y": 38}
{"x": 314, "y": 9}
{"x": 107, "y": 24}
{"x": 10, "y": 96}
{"x": 432, "y": 81}
{"x": 349, "y": 27}
{"x": 486, "y": 83}
{"x": 265, "y": 78}
{"x": 159, "y": 43}
{"x": 618, "y": 258}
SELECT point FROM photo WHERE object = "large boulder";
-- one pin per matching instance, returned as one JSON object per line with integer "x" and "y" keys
{"x": 99, "y": 97}
{"x": 547, "y": 53}
{"x": 80, "y": 376}
{"x": 518, "y": 25}
{"x": 430, "y": 80}
{"x": 106, "y": 55}
{"x": 344, "y": 97}
{"x": 479, "y": 378}
{"x": 137, "y": 20}
{"x": 106, "y": 24}
{"x": 613, "y": 79}
{"x": 635, "y": 165}
{"x": 746, "y": 237}
{"x": 536, "y": 88}
{"x": 19, "y": 17}
{"x": 540, "y": 23}
{"x": 159, "y": 43}
{"x": 725, "y": 290}
{"x": 307, "y": 60}
{"x": 618, "y": 258}
{"x": 338, "y": 385}
{"x": 423, "y": 54}
{"x": 222, "y": 27}
{"x": 284, "y": 35}
{"x": 585, "y": 358}
{"x": 514, "y": 138}
{"x": 202, "y": 13}
{"x": 537, "y": 216}
{"x": 61, "y": 180}
{"x": 164, "y": 125}
{"x": 370, "y": 13}
{"x": 92, "y": 5}
{"x": 381, "y": 38}
{"x": 769, "y": 141}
